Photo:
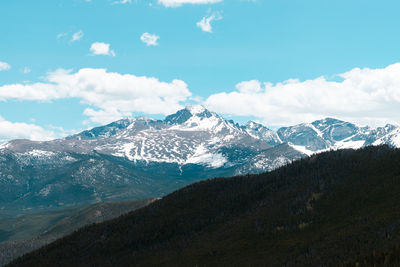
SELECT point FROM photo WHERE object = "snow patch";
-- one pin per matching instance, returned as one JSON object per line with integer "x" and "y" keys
{"x": 319, "y": 133}
{"x": 349, "y": 144}
{"x": 395, "y": 140}
{"x": 202, "y": 156}
{"x": 69, "y": 158}
{"x": 200, "y": 124}
{"x": 302, "y": 149}
{"x": 40, "y": 153}
{"x": 45, "y": 191}
{"x": 126, "y": 149}
{"x": 279, "y": 161}
{"x": 3, "y": 146}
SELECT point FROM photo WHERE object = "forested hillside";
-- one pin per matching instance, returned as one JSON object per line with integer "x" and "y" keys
{"x": 336, "y": 208}
{"x": 22, "y": 234}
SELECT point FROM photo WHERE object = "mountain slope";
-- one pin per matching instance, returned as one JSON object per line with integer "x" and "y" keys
{"x": 261, "y": 132}
{"x": 323, "y": 210}
{"x": 39, "y": 183}
{"x": 137, "y": 158}
{"x": 134, "y": 158}
{"x": 25, "y": 233}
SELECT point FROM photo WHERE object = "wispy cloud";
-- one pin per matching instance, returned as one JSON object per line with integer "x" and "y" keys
{"x": 99, "y": 48}
{"x": 205, "y": 23}
{"x": 77, "y": 36}
{"x": 177, "y": 3}
{"x": 149, "y": 39}
{"x": 4, "y": 66}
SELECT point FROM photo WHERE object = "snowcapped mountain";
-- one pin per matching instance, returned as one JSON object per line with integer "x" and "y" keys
{"x": 329, "y": 133}
{"x": 132, "y": 158}
{"x": 193, "y": 135}
{"x": 261, "y": 132}
{"x": 137, "y": 158}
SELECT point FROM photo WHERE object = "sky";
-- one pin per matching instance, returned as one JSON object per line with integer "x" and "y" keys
{"x": 69, "y": 65}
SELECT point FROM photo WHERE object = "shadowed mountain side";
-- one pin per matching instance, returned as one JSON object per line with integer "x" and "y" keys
{"x": 328, "y": 209}
{"x": 38, "y": 185}
{"x": 28, "y": 232}
{"x": 390, "y": 257}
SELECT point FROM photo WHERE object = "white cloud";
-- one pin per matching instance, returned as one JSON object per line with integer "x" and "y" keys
{"x": 104, "y": 116}
{"x": 18, "y": 130}
{"x": 77, "y": 36}
{"x": 252, "y": 86}
{"x": 100, "y": 48}
{"x": 149, "y": 39}
{"x": 4, "y": 66}
{"x": 177, "y": 3}
{"x": 110, "y": 95}
{"x": 205, "y": 23}
{"x": 365, "y": 96}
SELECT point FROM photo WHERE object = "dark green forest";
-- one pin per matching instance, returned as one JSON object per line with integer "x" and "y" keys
{"x": 338, "y": 208}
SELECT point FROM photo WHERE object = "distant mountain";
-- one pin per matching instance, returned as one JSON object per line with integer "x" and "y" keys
{"x": 329, "y": 133}
{"x": 26, "y": 233}
{"x": 337, "y": 208}
{"x": 193, "y": 135}
{"x": 261, "y": 132}
{"x": 137, "y": 158}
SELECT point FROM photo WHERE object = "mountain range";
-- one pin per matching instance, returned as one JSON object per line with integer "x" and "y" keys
{"x": 138, "y": 158}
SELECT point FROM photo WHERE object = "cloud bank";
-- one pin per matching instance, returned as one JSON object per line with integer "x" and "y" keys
{"x": 109, "y": 95}
{"x": 365, "y": 96}
{"x": 18, "y": 130}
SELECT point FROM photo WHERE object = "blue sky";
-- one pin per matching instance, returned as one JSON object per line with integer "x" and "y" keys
{"x": 278, "y": 62}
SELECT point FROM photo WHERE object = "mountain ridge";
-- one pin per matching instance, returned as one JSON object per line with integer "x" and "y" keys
{"x": 317, "y": 136}
{"x": 137, "y": 158}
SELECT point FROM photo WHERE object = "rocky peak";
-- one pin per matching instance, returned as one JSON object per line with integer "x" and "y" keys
{"x": 183, "y": 115}
{"x": 263, "y": 133}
